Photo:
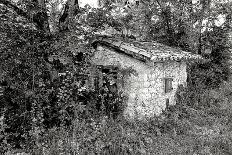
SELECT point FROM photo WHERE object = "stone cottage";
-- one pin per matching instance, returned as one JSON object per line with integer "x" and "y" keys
{"x": 157, "y": 71}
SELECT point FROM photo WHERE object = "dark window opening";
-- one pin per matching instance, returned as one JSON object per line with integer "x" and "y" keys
{"x": 110, "y": 78}
{"x": 79, "y": 58}
{"x": 168, "y": 85}
{"x": 106, "y": 78}
{"x": 105, "y": 70}
{"x": 167, "y": 102}
{"x": 137, "y": 2}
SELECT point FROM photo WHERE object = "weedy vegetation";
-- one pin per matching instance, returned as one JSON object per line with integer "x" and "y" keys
{"x": 47, "y": 108}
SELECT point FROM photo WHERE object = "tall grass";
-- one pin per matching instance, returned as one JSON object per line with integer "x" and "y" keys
{"x": 184, "y": 129}
{"x": 121, "y": 137}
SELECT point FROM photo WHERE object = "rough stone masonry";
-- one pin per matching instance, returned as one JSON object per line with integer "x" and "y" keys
{"x": 145, "y": 90}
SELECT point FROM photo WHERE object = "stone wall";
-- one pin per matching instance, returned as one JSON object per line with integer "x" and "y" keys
{"x": 146, "y": 89}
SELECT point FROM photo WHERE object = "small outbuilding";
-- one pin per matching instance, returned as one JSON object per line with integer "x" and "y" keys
{"x": 149, "y": 73}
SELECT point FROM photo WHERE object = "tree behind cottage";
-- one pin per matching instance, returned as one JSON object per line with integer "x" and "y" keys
{"x": 194, "y": 26}
{"x": 32, "y": 32}
{"x": 36, "y": 44}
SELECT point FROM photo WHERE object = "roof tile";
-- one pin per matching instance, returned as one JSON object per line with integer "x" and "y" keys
{"x": 151, "y": 50}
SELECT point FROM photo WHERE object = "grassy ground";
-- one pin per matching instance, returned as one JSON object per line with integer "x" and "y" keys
{"x": 183, "y": 130}
{"x": 105, "y": 136}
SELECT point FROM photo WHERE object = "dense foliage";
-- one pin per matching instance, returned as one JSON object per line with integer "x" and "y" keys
{"x": 44, "y": 66}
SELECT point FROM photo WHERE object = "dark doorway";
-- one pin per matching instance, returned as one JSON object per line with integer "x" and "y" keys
{"x": 107, "y": 86}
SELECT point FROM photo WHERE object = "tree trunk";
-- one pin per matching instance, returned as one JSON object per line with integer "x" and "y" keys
{"x": 71, "y": 9}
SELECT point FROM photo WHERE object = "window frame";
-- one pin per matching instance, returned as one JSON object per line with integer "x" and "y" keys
{"x": 98, "y": 79}
{"x": 168, "y": 84}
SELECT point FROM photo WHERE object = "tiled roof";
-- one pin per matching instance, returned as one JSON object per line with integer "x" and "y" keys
{"x": 149, "y": 50}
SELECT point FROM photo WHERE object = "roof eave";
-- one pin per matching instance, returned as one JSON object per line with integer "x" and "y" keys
{"x": 141, "y": 54}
